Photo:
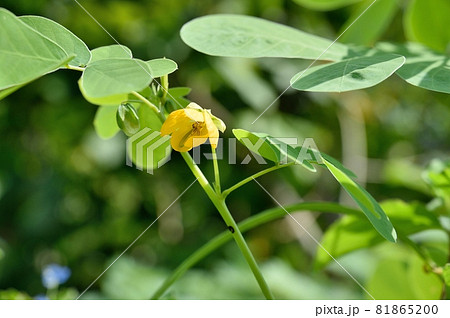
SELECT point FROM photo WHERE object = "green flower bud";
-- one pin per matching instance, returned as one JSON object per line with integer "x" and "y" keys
{"x": 127, "y": 119}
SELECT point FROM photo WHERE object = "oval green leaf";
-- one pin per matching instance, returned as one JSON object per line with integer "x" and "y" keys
{"x": 63, "y": 37}
{"x": 105, "y": 122}
{"x": 348, "y": 75}
{"x": 179, "y": 91}
{"x": 26, "y": 53}
{"x": 114, "y": 51}
{"x": 161, "y": 67}
{"x": 245, "y": 36}
{"x": 109, "y": 81}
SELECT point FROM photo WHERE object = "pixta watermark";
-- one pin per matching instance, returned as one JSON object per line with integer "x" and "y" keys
{"x": 149, "y": 150}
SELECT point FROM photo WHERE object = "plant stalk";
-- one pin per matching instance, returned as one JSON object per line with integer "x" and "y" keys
{"x": 226, "y": 192}
{"x": 219, "y": 203}
{"x": 165, "y": 88}
{"x": 216, "y": 171}
{"x": 244, "y": 226}
{"x": 147, "y": 102}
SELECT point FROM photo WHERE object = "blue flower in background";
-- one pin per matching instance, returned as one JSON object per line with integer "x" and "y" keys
{"x": 54, "y": 275}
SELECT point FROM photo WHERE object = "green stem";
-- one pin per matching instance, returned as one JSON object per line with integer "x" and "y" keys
{"x": 226, "y": 192}
{"x": 216, "y": 171}
{"x": 75, "y": 68}
{"x": 244, "y": 226}
{"x": 147, "y": 102}
{"x": 164, "y": 87}
{"x": 219, "y": 203}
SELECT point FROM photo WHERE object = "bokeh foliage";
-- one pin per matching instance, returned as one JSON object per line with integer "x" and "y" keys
{"x": 66, "y": 195}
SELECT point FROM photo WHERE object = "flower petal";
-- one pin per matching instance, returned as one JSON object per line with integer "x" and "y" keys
{"x": 219, "y": 123}
{"x": 172, "y": 122}
{"x": 196, "y": 106}
{"x": 193, "y": 115}
{"x": 191, "y": 127}
{"x": 213, "y": 132}
{"x": 198, "y": 140}
{"x": 182, "y": 139}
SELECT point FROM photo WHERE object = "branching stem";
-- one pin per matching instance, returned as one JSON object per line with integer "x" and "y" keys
{"x": 219, "y": 203}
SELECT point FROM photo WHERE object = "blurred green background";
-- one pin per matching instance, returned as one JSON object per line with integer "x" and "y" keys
{"x": 67, "y": 197}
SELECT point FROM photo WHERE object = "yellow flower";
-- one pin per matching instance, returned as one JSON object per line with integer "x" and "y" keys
{"x": 191, "y": 127}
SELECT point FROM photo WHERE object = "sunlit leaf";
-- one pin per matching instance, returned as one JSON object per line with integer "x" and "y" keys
{"x": 63, "y": 37}
{"x": 160, "y": 67}
{"x": 26, "y": 54}
{"x": 109, "y": 81}
{"x": 114, "y": 51}
{"x": 245, "y": 36}
{"x": 347, "y": 75}
{"x": 180, "y": 91}
{"x": 423, "y": 67}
